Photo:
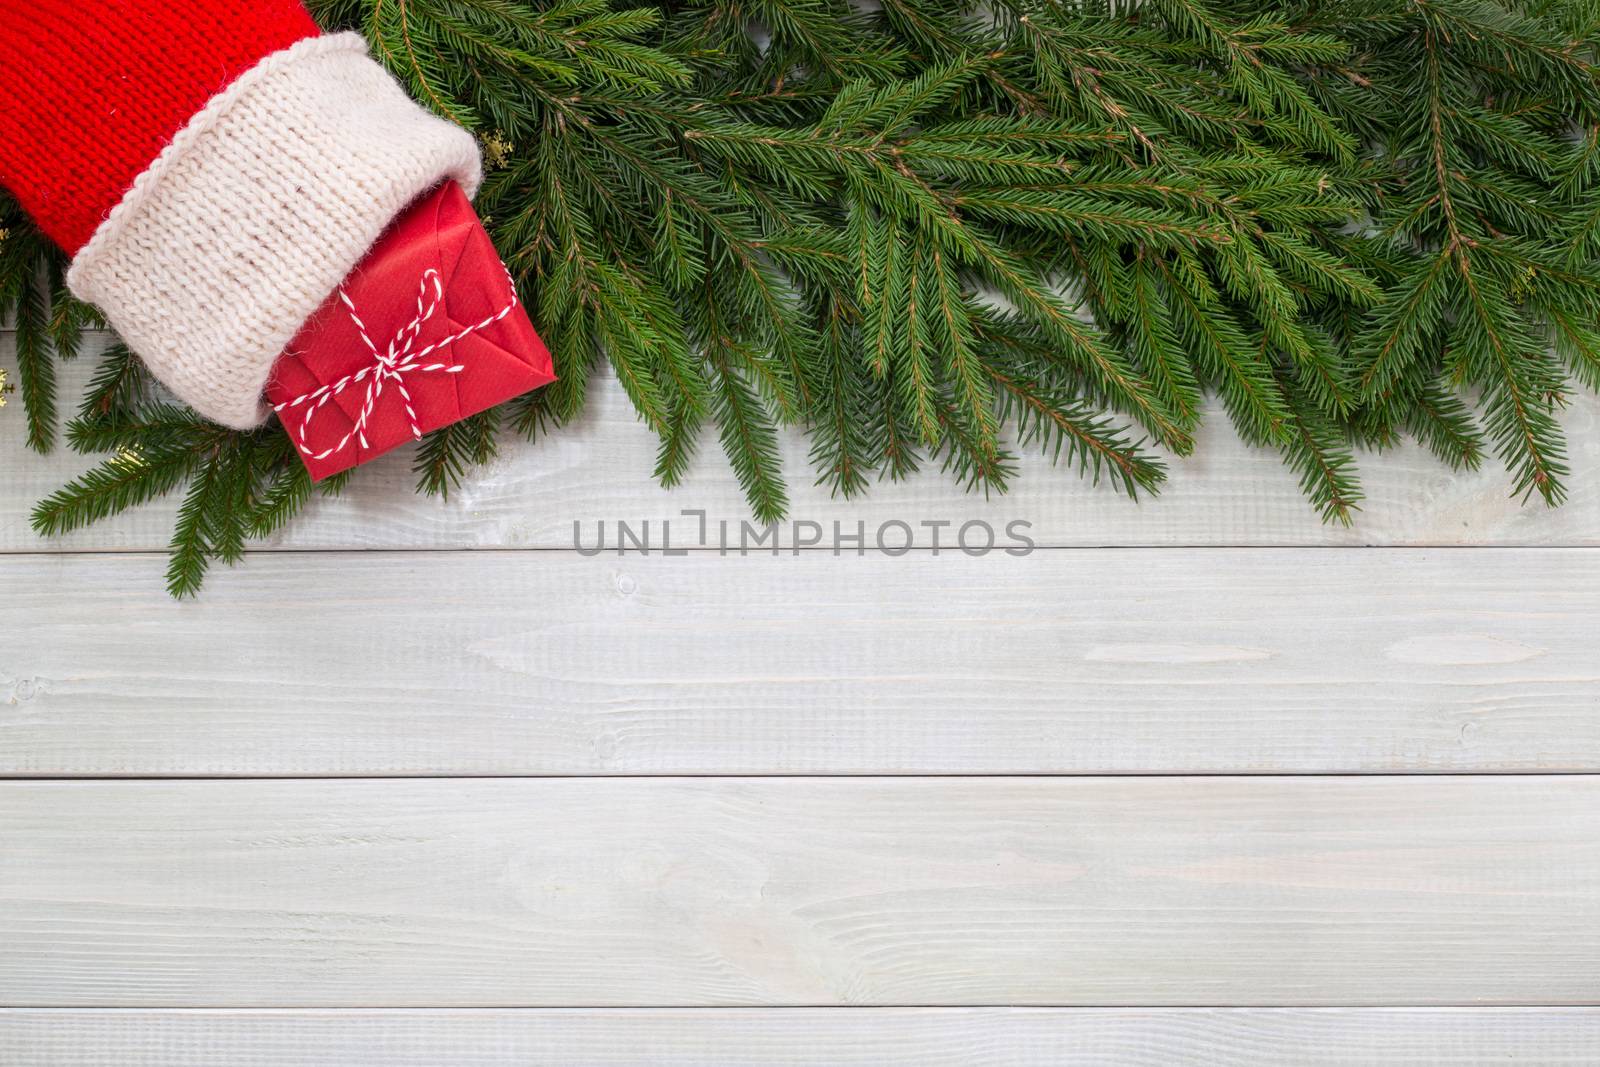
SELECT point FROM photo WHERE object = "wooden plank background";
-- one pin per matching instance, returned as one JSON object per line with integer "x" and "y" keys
{"x": 801, "y": 1037}
{"x": 1063, "y": 661}
{"x": 1199, "y": 779}
{"x": 1155, "y": 890}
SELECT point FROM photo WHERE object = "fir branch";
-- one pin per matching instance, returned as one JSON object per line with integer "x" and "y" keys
{"x": 116, "y": 484}
{"x": 287, "y": 490}
{"x": 1069, "y": 432}
{"x": 1316, "y": 450}
{"x": 446, "y": 454}
{"x": 1444, "y": 425}
{"x": 36, "y": 372}
{"x": 120, "y": 383}
{"x": 31, "y": 297}
{"x": 1347, "y": 219}
{"x": 841, "y": 450}
{"x": 750, "y": 440}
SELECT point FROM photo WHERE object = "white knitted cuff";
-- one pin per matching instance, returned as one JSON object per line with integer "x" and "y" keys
{"x": 256, "y": 211}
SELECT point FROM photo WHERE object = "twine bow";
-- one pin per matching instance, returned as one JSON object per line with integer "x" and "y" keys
{"x": 391, "y": 365}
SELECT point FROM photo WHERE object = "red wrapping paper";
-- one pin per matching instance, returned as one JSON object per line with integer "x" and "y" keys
{"x": 425, "y": 331}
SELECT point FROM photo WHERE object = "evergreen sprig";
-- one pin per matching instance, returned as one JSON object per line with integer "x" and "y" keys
{"x": 935, "y": 231}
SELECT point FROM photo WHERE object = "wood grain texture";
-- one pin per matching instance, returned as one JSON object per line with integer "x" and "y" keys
{"x": 1388, "y": 890}
{"x": 799, "y": 1037}
{"x": 1062, "y": 661}
{"x": 600, "y": 470}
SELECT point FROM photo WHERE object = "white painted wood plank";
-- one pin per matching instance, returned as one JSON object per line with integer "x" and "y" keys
{"x": 600, "y": 470}
{"x": 1133, "y": 660}
{"x": 800, "y": 1037}
{"x": 1387, "y": 890}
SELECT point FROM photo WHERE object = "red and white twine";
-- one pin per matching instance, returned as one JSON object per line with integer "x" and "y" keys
{"x": 392, "y": 365}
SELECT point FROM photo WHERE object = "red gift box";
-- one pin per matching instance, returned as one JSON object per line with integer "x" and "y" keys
{"x": 425, "y": 331}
